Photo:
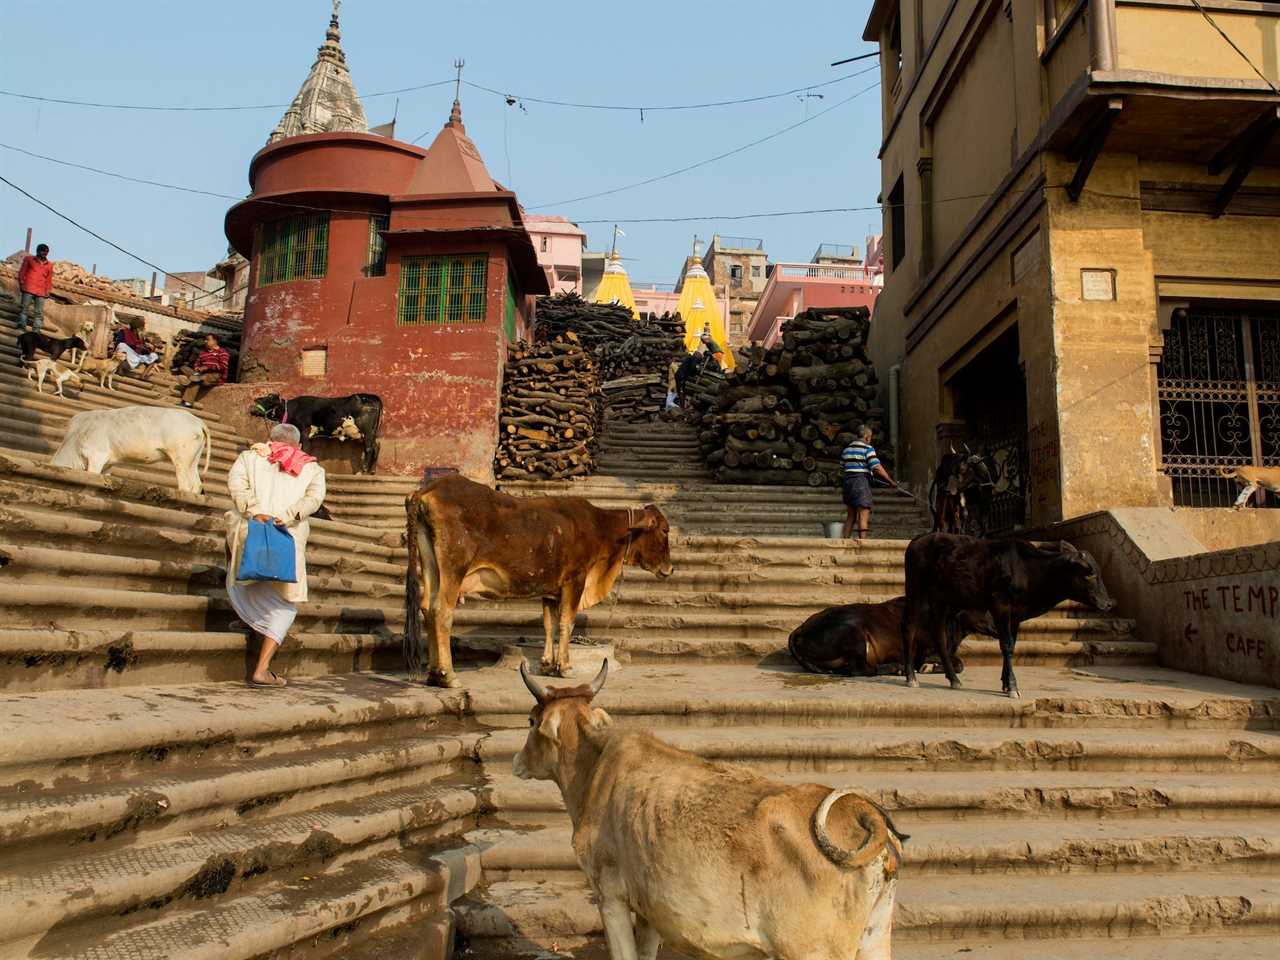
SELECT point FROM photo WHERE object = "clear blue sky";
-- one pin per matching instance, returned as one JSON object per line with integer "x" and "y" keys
{"x": 237, "y": 52}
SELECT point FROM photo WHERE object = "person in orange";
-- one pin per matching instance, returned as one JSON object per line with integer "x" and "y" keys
{"x": 35, "y": 281}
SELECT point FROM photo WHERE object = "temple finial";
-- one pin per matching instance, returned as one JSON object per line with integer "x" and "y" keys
{"x": 455, "y": 115}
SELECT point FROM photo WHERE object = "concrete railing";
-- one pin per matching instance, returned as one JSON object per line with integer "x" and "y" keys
{"x": 843, "y": 273}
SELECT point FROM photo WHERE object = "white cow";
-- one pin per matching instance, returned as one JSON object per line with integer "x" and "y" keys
{"x": 96, "y": 439}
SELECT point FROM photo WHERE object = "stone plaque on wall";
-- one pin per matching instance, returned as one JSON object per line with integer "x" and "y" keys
{"x": 1026, "y": 256}
{"x": 1097, "y": 284}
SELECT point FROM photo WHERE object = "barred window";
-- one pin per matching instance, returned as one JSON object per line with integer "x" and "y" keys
{"x": 442, "y": 290}
{"x": 294, "y": 248}
{"x": 377, "y": 260}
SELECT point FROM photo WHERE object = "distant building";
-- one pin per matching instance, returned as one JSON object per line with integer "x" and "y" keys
{"x": 652, "y": 302}
{"x": 593, "y": 262}
{"x": 835, "y": 277}
{"x": 559, "y": 243}
{"x": 383, "y": 267}
{"x": 736, "y": 268}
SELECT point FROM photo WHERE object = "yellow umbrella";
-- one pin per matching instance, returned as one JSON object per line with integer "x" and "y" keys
{"x": 615, "y": 287}
{"x": 700, "y": 313}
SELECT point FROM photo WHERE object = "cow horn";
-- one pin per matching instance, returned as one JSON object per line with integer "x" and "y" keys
{"x": 869, "y": 817}
{"x": 534, "y": 686}
{"x": 953, "y": 447}
{"x": 966, "y": 447}
{"x": 598, "y": 683}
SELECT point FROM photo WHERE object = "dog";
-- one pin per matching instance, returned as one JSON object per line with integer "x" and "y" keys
{"x": 104, "y": 369}
{"x": 1250, "y": 479}
{"x": 30, "y": 342}
{"x": 38, "y": 370}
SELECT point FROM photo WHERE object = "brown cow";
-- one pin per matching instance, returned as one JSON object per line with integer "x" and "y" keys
{"x": 467, "y": 540}
{"x": 865, "y": 639}
{"x": 711, "y": 858}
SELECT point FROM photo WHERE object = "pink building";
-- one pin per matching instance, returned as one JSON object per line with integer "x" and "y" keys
{"x": 795, "y": 287}
{"x": 559, "y": 243}
{"x": 651, "y": 301}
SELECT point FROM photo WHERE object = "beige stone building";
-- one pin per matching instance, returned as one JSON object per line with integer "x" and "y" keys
{"x": 738, "y": 270}
{"x": 1082, "y": 214}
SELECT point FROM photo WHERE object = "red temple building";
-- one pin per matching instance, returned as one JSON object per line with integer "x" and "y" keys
{"x": 381, "y": 267}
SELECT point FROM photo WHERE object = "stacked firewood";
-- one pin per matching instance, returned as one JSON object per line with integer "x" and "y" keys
{"x": 551, "y": 411}
{"x": 632, "y": 355}
{"x": 785, "y": 413}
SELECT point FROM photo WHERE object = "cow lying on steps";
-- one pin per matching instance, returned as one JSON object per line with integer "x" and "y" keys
{"x": 1012, "y": 580}
{"x": 710, "y": 858}
{"x": 467, "y": 540}
{"x": 865, "y": 639}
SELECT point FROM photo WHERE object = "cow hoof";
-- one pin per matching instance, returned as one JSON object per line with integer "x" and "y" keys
{"x": 443, "y": 678}
{"x": 956, "y": 684}
{"x": 565, "y": 671}
{"x": 913, "y": 682}
{"x": 547, "y": 668}
{"x": 1013, "y": 694}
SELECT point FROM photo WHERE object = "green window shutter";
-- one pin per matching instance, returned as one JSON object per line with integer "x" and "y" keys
{"x": 293, "y": 248}
{"x": 376, "y": 262}
{"x": 509, "y": 316}
{"x": 444, "y": 290}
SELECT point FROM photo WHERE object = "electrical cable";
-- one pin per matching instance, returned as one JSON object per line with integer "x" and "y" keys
{"x": 205, "y": 109}
{"x": 95, "y": 234}
{"x": 645, "y": 108}
{"x": 93, "y": 104}
{"x": 702, "y": 163}
{"x": 1243, "y": 56}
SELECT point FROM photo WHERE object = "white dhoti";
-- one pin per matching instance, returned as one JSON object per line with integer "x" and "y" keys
{"x": 134, "y": 358}
{"x": 261, "y": 607}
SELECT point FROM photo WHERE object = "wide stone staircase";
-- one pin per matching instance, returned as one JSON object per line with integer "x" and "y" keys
{"x": 152, "y": 805}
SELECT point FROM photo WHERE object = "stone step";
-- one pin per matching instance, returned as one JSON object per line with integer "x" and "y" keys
{"x": 1065, "y": 800}
{"x": 21, "y": 392}
{"x": 1072, "y": 850}
{"x": 1165, "y": 905}
{"x": 298, "y": 911}
{"x": 85, "y": 886}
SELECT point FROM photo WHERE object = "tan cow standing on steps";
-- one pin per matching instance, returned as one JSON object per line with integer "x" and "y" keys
{"x": 711, "y": 858}
{"x": 467, "y": 540}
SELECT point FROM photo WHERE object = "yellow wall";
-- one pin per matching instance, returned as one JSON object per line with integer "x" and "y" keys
{"x": 1182, "y": 42}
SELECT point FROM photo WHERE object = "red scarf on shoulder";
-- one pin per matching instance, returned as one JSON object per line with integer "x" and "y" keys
{"x": 286, "y": 456}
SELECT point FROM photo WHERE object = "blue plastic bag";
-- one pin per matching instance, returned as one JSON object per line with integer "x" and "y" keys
{"x": 268, "y": 554}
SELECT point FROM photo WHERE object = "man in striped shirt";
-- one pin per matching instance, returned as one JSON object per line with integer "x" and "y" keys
{"x": 859, "y": 461}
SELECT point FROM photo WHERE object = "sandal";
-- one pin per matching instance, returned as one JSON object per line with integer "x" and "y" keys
{"x": 276, "y": 681}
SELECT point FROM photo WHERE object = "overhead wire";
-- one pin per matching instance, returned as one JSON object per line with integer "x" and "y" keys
{"x": 1244, "y": 56}
{"x": 655, "y": 108}
{"x": 718, "y": 157}
{"x": 217, "y": 108}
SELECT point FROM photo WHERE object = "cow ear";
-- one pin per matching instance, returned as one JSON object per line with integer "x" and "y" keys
{"x": 550, "y": 725}
{"x": 646, "y": 519}
{"x": 599, "y": 719}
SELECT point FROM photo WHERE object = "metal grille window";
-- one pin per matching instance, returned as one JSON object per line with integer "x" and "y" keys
{"x": 1219, "y": 391}
{"x": 294, "y": 248}
{"x": 377, "y": 260}
{"x": 442, "y": 290}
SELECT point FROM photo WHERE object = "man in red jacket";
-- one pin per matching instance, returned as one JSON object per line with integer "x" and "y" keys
{"x": 210, "y": 370}
{"x": 35, "y": 280}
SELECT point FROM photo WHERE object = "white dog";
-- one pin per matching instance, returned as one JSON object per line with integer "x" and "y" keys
{"x": 38, "y": 370}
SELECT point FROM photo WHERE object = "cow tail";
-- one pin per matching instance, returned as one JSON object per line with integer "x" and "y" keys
{"x": 933, "y": 511}
{"x": 872, "y": 820}
{"x": 208, "y": 446}
{"x": 421, "y": 583}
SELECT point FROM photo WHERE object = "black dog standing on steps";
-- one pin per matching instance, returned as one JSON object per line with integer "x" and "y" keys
{"x": 1012, "y": 580}
{"x": 30, "y": 342}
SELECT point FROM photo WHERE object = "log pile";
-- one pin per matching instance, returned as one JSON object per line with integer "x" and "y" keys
{"x": 784, "y": 415}
{"x": 551, "y": 411}
{"x": 632, "y": 355}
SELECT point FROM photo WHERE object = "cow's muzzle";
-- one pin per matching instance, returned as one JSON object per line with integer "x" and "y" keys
{"x": 665, "y": 571}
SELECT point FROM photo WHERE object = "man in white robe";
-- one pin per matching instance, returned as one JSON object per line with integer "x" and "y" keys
{"x": 272, "y": 482}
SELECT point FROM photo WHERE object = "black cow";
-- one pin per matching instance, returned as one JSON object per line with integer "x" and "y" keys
{"x": 1012, "y": 580}
{"x": 961, "y": 480}
{"x": 865, "y": 639}
{"x": 31, "y": 341}
{"x": 325, "y": 417}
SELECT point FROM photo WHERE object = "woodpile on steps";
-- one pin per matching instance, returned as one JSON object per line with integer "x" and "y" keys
{"x": 632, "y": 355}
{"x": 784, "y": 415}
{"x": 551, "y": 411}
